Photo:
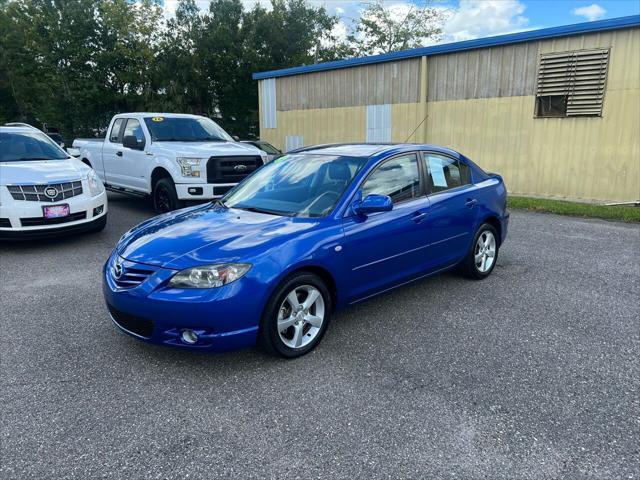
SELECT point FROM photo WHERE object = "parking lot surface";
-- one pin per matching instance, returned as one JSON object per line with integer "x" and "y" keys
{"x": 532, "y": 373}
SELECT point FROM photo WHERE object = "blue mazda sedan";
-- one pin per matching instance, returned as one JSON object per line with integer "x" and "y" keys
{"x": 313, "y": 231}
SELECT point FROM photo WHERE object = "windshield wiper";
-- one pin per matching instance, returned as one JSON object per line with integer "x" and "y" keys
{"x": 261, "y": 210}
{"x": 221, "y": 203}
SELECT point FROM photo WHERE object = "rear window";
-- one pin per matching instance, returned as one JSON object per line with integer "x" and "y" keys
{"x": 28, "y": 145}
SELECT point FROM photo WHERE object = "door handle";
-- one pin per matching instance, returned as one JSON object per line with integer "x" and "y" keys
{"x": 419, "y": 216}
{"x": 471, "y": 202}
{"x": 119, "y": 154}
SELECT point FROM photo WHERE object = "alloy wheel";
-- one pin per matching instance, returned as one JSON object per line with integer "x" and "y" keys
{"x": 300, "y": 316}
{"x": 485, "y": 251}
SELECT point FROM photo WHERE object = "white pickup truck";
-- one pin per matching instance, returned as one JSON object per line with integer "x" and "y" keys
{"x": 172, "y": 157}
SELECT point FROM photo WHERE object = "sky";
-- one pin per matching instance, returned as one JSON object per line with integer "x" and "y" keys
{"x": 468, "y": 19}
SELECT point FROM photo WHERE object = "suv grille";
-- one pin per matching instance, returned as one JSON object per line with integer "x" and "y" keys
{"x": 39, "y": 221}
{"x": 139, "y": 326}
{"x": 231, "y": 169}
{"x": 36, "y": 193}
{"x": 130, "y": 275}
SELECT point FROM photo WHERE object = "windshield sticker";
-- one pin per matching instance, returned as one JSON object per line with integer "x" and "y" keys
{"x": 157, "y": 119}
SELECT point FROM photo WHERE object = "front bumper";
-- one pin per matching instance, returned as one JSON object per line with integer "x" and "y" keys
{"x": 202, "y": 191}
{"x": 13, "y": 211}
{"x": 224, "y": 318}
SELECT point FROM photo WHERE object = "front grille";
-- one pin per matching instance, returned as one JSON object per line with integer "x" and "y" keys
{"x": 39, "y": 221}
{"x": 231, "y": 169}
{"x": 5, "y": 223}
{"x": 131, "y": 274}
{"x": 36, "y": 193}
{"x": 139, "y": 326}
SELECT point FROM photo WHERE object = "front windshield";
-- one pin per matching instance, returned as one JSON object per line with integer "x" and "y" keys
{"x": 300, "y": 185}
{"x": 185, "y": 129}
{"x": 19, "y": 146}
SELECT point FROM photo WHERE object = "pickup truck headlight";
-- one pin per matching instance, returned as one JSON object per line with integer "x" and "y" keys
{"x": 190, "y": 166}
{"x": 96, "y": 187}
{"x": 209, "y": 276}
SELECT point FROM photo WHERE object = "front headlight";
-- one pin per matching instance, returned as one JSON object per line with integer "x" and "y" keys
{"x": 209, "y": 276}
{"x": 96, "y": 187}
{"x": 190, "y": 166}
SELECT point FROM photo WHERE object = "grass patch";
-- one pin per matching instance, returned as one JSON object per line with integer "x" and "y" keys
{"x": 575, "y": 209}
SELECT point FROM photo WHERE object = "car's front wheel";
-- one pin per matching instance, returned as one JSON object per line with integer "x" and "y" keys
{"x": 483, "y": 255}
{"x": 296, "y": 317}
{"x": 165, "y": 198}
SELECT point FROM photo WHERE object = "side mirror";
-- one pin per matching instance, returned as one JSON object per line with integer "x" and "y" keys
{"x": 372, "y": 204}
{"x": 130, "y": 141}
{"x": 236, "y": 138}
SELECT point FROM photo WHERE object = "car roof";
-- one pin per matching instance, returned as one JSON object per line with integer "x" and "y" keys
{"x": 158, "y": 114}
{"x": 371, "y": 149}
{"x": 18, "y": 128}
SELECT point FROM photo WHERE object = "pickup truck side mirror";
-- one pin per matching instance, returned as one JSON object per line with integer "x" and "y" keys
{"x": 130, "y": 141}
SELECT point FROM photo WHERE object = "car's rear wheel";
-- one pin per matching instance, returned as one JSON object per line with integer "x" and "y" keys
{"x": 296, "y": 317}
{"x": 165, "y": 198}
{"x": 483, "y": 255}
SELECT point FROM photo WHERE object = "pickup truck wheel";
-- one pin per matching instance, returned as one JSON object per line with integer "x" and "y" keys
{"x": 165, "y": 198}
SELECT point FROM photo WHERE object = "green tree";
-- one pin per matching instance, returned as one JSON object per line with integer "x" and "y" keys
{"x": 383, "y": 29}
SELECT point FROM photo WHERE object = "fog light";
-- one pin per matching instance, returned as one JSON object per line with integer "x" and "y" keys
{"x": 189, "y": 336}
{"x": 98, "y": 210}
{"x": 195, "y": 190}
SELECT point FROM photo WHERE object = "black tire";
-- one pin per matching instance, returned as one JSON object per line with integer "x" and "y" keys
{"x": 469, "y": 267}
{"x": 165, "y": 198}
{"x": 269, "y": 337}
{"x": 99, "y": 225}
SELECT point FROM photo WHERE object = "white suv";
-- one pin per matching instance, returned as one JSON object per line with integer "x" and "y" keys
{"x": 43, "y": 190}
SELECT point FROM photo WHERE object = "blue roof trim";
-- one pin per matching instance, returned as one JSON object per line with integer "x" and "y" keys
{"x": 562, "y": 31}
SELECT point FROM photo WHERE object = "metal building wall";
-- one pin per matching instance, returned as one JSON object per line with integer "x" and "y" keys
{"x": 481, "y": 102}
{"x": 590, "y": 158}
{"x": 378, "y": 84}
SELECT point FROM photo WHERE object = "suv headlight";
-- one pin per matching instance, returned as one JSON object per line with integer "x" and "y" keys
{"x": 190, "y": 166}
{"x": 209, "y": 276}
{"x": 96, "y": 187}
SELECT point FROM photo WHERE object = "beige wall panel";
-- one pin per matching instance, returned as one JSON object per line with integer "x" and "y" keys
{"x": 576, "y": 158}
{"x": 383, "y": 83}
{"x": 405, "y": 118}
{"x": 483, "y": 73}
{"x": 326, "y": 125}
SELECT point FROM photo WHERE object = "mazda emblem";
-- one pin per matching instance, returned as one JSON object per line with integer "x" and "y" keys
{"x": 51, "y": 192}
{"x": 117, "y": 270}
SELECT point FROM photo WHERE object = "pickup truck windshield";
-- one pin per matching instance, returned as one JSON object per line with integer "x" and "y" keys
{"x": 298, "y": 185}
{"x": 28, "y": 145}
{"x": 185, "y": 129}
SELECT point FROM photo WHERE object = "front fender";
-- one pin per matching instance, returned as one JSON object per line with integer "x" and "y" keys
{"x": 168, "y": 164}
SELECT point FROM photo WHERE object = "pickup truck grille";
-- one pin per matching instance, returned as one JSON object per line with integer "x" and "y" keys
{"x": 43, "y": 193}
{"x": 231, "y": 169}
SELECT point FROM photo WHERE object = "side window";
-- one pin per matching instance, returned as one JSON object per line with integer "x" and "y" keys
{"x": 445, "y": 173}
{"x": 398, "y": 178}
{"x": 133, "y": 128}
{"x": 114, "y": 137}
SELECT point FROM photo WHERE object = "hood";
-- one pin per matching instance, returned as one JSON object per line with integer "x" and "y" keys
{"x": 41, "y": 171}
{"x": 206, "y": 234}
{"x": 206, "y": 149}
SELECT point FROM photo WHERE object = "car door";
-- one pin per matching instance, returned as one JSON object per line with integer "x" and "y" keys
{"x": 384, "y": 248}
{"x": 133, "y": 160}
{"x": 453, "y": 208}
{"x": 110, "y": 147}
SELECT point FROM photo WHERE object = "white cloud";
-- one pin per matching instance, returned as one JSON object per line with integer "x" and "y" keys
{"x": 591, "y": 12}
{"x": 475, "y": 19}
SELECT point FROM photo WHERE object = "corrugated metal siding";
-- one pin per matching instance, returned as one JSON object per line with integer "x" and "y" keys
{"x": 493, "y": 72}
{"x": 385, "y": 83}
{"x": 291, "y": 142}
{"x": 378, "y": 123}
{"x": 268, "y": 103}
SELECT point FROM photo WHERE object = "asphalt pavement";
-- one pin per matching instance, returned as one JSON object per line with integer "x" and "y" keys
{"x": 531, "y": 374}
